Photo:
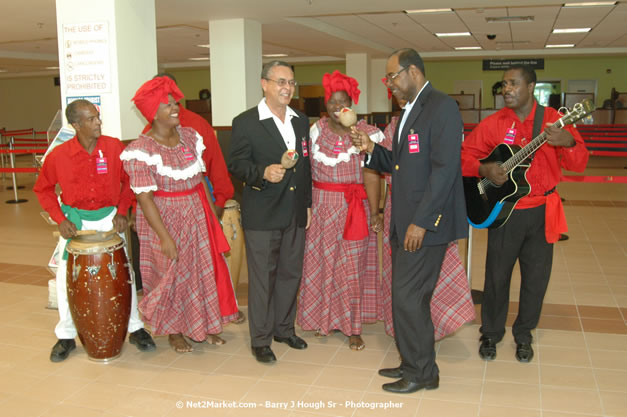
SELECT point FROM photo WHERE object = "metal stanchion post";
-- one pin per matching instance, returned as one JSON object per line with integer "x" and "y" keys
{"x": 12, "y": 159}
{"x": 2, "y": 157}
{"x": 13, "y": 174}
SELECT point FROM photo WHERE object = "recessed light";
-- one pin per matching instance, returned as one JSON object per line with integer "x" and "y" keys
{"x": 466, "y": 48}
{"x": 274, "y": 55}
{"x": 564, "y": 45}
{"x": 52, "y": 68}
{"x": 200, "y": 58}
{"x": 510, "y": 19}
{"x": 591, "y": 4}
{"x": 572, "y": 30}
{"x": 428, "y": 11}
{"x": 203, "y": 46}
{"x": 451, "y": 34}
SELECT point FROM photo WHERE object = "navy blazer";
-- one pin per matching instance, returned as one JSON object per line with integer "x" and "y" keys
{"x": 255, "y": 144}
{"x": 427, "y": 185}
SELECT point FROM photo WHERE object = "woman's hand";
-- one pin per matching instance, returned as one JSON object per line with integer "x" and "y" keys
{"x": 168, "y": 248}
{"x": 376, "y": 223}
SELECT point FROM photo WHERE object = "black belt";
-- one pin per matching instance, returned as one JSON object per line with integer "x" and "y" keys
{"x": 551, "y": 191}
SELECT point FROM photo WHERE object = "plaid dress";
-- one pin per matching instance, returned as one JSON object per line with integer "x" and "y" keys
{"x": 338, "y": 290}
{"x": 451, "y": 304}
{"x": 179, "y": 296}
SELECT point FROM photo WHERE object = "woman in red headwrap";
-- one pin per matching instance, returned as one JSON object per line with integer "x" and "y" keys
{"x": 187, "y": 288}
{"x": 451, "y": 304}
{"x": 340, "y": 274}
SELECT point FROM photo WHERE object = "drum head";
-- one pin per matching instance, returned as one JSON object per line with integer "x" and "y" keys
{"x": 94, "y": 243}
{"x": 231, "y": 204}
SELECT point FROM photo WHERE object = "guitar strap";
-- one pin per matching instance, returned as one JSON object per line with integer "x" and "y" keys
{"x": 537, "y": 125}
{"x": 537, "y": 121}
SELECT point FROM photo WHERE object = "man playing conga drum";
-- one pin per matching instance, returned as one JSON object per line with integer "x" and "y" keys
{"x": 95, "y": 195}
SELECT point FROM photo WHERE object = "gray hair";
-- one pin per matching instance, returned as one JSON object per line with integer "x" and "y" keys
{"x": 72, "y": 110}
{"x": 268, "y": 66}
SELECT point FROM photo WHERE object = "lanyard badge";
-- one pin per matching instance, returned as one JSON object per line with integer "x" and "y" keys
{"x": 413, "y": 143}
{"x": 304, "y": 145}
{"x": 101, "y": 164}
{"x": 338, "y": 146}
{"x": 510, "y": 135}
{"x": 187, "y": 153}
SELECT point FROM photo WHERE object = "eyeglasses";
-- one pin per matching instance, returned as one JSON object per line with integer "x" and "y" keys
{"x": 391, "y": 77}
{"x": 282, "y": 82}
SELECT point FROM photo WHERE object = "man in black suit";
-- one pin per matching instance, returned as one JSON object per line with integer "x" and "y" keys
{"x": 276, "y": 208}
{"x": 428, "y": 211}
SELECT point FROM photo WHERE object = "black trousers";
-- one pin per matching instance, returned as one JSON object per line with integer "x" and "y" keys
{"x": 521, "y": 238}
{"x": 414, "y": 276}
{"x": 275, "y": 268}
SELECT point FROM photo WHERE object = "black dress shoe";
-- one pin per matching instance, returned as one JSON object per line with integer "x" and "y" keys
{"x": 263, "y": 354}
{"x": 487, "y": 350}
{"x": 61, "y": 350}
{"x": 524, "y": 352}
{"x": 293, "y": 341}
{"x": 391, "y": 372}
{"x": 405, "y": 386}
{"x": 142, "y": 339}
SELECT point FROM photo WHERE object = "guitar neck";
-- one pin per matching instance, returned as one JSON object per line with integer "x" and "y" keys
{"x": 525, "y": 152}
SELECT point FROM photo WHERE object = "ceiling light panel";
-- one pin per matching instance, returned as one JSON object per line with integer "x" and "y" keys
{"x": 439, "y": 22}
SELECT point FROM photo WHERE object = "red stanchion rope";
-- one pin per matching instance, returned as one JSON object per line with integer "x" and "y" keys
{"x": 23, "y": 151}
{"x": 19, "y": 170}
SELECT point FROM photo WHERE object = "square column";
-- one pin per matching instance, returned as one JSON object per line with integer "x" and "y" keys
{"x": 107, "y": 49}
{"x": 358, "y": 67}
{"x": 235, "y": 61}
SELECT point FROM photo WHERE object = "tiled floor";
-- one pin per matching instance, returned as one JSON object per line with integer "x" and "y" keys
{"x": 580, "y": 367}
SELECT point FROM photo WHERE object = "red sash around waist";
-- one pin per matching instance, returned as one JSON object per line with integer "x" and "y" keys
{"x": 356, "y": 226}
{"x": 218, "y": 246}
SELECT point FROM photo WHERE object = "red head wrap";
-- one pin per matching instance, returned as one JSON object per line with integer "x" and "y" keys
{"x": 340, "y": 82}
{"x": 384, "y": 80}
{"x": 153, "y": 92}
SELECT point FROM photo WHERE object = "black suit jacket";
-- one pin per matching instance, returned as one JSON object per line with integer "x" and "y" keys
{"x": 255, "y": 144}
{"x": 427, "y": 186}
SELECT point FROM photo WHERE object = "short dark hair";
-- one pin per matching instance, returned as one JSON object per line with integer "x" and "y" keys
{"x": 528, "y": 73}
{"x": 269, "y": 65}
{"x": 72, "y": 110}
{"x": 409, "y": 56}
{"x": 166, "y": 74}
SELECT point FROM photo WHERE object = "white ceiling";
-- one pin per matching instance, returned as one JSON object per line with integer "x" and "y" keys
{"x": 326, "y": 30}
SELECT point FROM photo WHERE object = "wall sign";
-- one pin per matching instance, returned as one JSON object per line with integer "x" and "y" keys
{"x": 86, "y": 58}
{"x": 503, "y": 64}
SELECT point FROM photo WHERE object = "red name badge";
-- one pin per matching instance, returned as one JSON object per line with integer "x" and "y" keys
{"x": 338, "y": 146}
{"x": 188, "y": 154}
{"x": 414, "y": 145}
{"x": 510, "y": 136}
{"x": 305, "y": 151}
{"x": 101, "y": 165}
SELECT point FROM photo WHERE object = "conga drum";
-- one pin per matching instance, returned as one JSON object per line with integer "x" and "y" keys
{"x": 99, "y": 293}
{"x": 232, "y": 228}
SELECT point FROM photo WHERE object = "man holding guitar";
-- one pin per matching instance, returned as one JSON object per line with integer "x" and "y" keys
{"x": 537, "y": 218}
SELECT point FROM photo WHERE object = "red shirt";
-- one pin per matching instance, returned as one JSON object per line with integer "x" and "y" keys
{"x": 82, "y": 187}
{"x": 212, "y": 156}
{"x": 545, "y": 170}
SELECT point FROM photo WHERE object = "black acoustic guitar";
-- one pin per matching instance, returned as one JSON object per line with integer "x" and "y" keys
{"x": 490, "y": 205}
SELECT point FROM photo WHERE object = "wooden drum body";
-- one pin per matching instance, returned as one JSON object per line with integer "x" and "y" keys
{"x": 232, "y": 228}
{"x": 99, "y": 294}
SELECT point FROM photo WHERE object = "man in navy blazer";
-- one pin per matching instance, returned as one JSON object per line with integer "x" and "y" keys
{"x": 428, "y": 211}
{"x": 276, "y": 208}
